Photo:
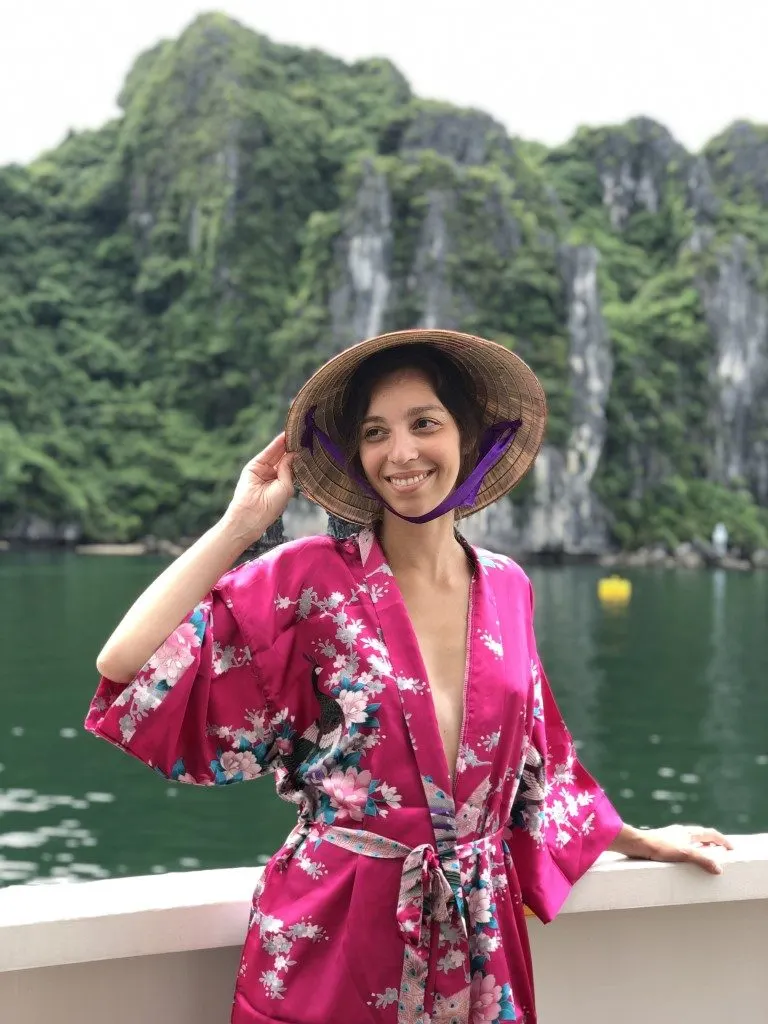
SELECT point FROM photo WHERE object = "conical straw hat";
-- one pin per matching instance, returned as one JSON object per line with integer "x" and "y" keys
{"x": 506, "y": 388}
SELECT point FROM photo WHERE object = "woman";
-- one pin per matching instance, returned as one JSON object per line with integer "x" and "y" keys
{"x": 392, "y": 685}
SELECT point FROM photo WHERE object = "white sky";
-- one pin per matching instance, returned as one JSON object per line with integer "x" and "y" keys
{"x": 542, "y": 67}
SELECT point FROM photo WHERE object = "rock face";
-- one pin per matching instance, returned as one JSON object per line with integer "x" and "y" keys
{"x": 468, "y": 137}
{"x": 739, "y": 158}
{"x": 303, "y": 518}
{"x": 633, "y": 169}
{"x": 737, "y": 313}
{"x": 567, "y": 515}
{"x": 364, "y": 254}
{"x": 564, "y": 515}
{"x": 428, "y": 281}
{"x": 640, "y": 171}
{"x": 167, "y": 283}
{"x": 36, "y": 530}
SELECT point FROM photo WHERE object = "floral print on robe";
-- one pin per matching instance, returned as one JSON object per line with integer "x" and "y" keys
{"x": 400, "y": 895}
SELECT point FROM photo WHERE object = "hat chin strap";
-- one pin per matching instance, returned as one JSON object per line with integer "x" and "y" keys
{"x": 493, "y": 445}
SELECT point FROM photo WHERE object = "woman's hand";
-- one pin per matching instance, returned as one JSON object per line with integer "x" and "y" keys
{"x": 675, "y": 843}
{"x": 263, "y": 491}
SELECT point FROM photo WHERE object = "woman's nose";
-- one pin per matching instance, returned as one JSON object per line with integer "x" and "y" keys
{"x": 402, "y": 447}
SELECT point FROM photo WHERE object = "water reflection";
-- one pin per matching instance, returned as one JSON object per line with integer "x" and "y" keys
{"x": 724, "y": 727}
{"x": 664, "y": 694}
{"x": 565, "y": 634}
{"x": 58, "y": 846}
{"x": 54, "y": 861}
{"x": 666, "y": 699}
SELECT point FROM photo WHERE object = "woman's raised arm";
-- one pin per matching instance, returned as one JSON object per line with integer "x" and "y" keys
{"x": 262, "y": 493}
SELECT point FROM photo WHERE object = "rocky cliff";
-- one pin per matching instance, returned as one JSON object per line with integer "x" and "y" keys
{"x": 168, "y": 281}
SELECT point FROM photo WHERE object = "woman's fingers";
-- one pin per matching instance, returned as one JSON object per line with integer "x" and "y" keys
{"x": 265, "y": 465}
{"x": 691, "y": 844}
{"x": 285, "y": 471}
{"x": 274, "y": 451}
{"x": 697, "y": 855}
{"x": 704, "y": 839}
{"x": 710, "y": 836}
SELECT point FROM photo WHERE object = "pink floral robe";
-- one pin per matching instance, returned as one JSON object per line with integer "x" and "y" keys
{"x": 399, "y": 896}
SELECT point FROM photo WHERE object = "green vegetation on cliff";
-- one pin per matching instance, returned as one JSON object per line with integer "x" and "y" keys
{"x": 167, "y": 281}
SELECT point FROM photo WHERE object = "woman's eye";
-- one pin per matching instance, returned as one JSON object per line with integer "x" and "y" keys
{"x": 423, "y": 423}
{"x": 371, "y": 434}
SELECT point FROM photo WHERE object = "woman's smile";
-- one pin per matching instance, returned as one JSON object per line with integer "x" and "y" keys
{"x": 410, "y": 443}
{"x": 412, "y": 482}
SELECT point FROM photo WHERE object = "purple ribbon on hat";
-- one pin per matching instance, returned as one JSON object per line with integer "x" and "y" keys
{"x": 493, "y": 444}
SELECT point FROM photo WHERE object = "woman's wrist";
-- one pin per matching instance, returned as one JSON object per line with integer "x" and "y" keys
{"x": 631, "y": 842}
{"x": 238, "y": 534}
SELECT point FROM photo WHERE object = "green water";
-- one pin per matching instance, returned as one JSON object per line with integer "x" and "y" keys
{"x": 667, "y": 701}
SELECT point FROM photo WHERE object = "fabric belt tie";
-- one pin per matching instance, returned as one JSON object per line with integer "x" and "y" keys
{"x": 426, "y": 896}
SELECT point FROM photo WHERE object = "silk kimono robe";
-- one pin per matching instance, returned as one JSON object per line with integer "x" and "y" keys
{"x": 399, "y": 896}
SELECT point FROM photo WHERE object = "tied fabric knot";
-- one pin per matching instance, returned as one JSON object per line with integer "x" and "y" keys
{"x": 425, "y": 895}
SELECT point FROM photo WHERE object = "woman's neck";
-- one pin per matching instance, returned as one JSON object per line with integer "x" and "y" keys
{"x": 428, "y": 550}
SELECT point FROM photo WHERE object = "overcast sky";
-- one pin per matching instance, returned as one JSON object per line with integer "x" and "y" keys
{"x": 542, "y": 67}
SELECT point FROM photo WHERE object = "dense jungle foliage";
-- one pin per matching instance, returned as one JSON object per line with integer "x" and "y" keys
{"x": 167, "y": 280}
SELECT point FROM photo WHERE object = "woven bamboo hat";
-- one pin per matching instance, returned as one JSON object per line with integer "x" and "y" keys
{"x": 506, "y": 388}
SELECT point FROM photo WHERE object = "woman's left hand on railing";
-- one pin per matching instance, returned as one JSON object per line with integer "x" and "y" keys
{"x": 691, "y": 844}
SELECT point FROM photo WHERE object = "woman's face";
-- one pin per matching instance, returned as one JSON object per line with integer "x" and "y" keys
{"x": 410, "y": 446}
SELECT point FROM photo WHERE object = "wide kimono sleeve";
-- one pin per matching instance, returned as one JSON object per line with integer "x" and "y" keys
{"x": 561, "y": 819}
{"x": 199, "y": 711}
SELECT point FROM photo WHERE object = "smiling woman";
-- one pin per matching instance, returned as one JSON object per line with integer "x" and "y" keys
{"x": 391, "y": 683}
{"x": 410, "y": 444}
{"x": 441, "y": 378}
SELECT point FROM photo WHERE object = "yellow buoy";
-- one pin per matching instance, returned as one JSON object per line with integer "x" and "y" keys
{"x": 614, "y": 590}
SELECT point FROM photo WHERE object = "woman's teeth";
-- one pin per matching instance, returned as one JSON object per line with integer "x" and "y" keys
{"x": 408, "y": 481}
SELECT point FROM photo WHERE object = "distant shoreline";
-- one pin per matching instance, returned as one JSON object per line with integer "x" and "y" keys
{"x": 687, "y": 556}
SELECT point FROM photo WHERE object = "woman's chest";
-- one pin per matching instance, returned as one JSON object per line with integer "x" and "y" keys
{"x": 441, "y": 625}
{"x": 377, "y": 669}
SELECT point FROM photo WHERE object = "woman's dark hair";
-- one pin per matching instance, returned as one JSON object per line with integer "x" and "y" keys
{"x": 450, "y": 382}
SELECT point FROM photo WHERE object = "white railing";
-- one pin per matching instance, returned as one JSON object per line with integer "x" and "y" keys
{"x": 636, "y": 942}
